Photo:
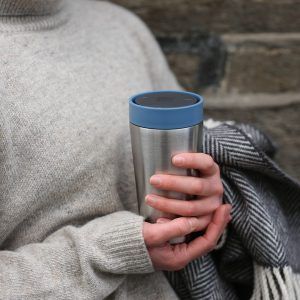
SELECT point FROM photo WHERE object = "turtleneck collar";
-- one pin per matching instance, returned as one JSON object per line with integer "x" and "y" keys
{"x": 33, "y": 15}
{"x": 23, "y": 8}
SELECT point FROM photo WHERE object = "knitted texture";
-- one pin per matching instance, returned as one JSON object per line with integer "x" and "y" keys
{"x": 29, "y": 7}
{"x": 69, "y": 227}
{"x": 260, "y": 258}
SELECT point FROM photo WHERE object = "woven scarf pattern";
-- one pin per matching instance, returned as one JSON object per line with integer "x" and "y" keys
{"x": 260, "y": 258}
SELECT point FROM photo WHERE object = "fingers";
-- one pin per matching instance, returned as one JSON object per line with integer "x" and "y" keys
{"x": 160, "y": 233}
{"x": 200, "y": 161}
{"x": 184, "y": 208}
{"x": 175, "y": 257}
{"x": 208, "y": 185}
{"x": 187, "y": 184}
{"x": 203, "y": 244}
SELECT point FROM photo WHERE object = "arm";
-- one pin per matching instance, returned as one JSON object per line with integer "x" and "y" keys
{"x": 87, "y": 262}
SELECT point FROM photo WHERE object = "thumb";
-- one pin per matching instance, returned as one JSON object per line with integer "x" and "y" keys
{"x": 160, "y": 233}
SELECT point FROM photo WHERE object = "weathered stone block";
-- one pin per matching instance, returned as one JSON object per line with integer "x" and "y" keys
{"x": 262, "y": 63}
{"x": 222, "y": 16}
{"x": 236, "y": 63}
{"x": 186, "y": 68}
{"x": 197, "y": 60}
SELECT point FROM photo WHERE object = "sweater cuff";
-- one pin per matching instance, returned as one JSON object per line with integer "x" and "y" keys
{"x": 124, "y": 239}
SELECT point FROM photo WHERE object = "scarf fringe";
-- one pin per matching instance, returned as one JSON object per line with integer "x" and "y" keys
{"x": 275, "y": 284}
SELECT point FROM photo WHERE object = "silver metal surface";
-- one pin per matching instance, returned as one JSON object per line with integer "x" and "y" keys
{"x": 152, "y": 151}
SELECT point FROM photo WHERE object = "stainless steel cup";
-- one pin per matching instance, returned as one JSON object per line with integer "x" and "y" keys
{"x": 163, "y": 124}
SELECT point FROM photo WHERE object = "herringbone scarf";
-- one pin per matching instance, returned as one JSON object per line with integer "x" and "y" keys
{"x": 260, "y": 258}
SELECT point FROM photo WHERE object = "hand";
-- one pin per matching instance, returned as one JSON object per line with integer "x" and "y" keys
{"x": 169, "y": 257}
{"x": 208, "y": 188}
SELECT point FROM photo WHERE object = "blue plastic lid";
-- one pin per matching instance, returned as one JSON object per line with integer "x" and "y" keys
{"x": 166, "y": 109}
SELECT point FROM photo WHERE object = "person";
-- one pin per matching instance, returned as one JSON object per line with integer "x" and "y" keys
{"x": 69, "y": 223}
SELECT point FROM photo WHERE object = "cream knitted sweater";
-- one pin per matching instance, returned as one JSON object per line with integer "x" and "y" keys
{"x": 69, "y": 227}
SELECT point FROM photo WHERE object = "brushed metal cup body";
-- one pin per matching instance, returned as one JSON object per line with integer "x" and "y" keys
{"x": 152, "y": 151}
{"x": 163, "y": 124}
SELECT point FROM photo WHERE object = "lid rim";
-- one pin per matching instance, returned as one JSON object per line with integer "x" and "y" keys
{"x": 166, "y": 117}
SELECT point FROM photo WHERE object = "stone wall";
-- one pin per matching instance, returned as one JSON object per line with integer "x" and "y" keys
{"x": 242, "y": 55}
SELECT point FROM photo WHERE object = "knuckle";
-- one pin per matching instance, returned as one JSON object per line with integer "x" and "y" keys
{"x": 152, "y": 237}
{"x": 193, "y": 159}
{"x": 197, "y": 187}
{"x": 219, "y": 189}
{"x": 218, "y": 171}
{"x": 209, "y": 162}
{"x": 161, "y": 204}
{"x": 183, "y": 226}
{"x": 190, "y": 208}
{"x": 216, "y": 202}
{"x": 171, "y": 181}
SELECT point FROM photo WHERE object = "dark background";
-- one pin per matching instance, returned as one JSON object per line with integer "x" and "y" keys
{"x": 242, "y": 55}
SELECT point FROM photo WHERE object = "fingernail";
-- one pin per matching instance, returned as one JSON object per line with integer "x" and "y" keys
{"x": 150, "y": 199}
{"x": 226, "y": 212}
{"x": 155, "y": 180}
{"x": 178, "y": 160}
{"x": 160, "y": 221}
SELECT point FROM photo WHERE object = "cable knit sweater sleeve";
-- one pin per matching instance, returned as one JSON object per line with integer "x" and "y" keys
{"x": 77, "y": 263}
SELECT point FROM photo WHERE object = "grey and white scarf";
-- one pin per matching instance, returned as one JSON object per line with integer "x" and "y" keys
{"x": 260, "y": 258}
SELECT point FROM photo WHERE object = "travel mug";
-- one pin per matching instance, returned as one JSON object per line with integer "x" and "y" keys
{"x": 163, "y": 124}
